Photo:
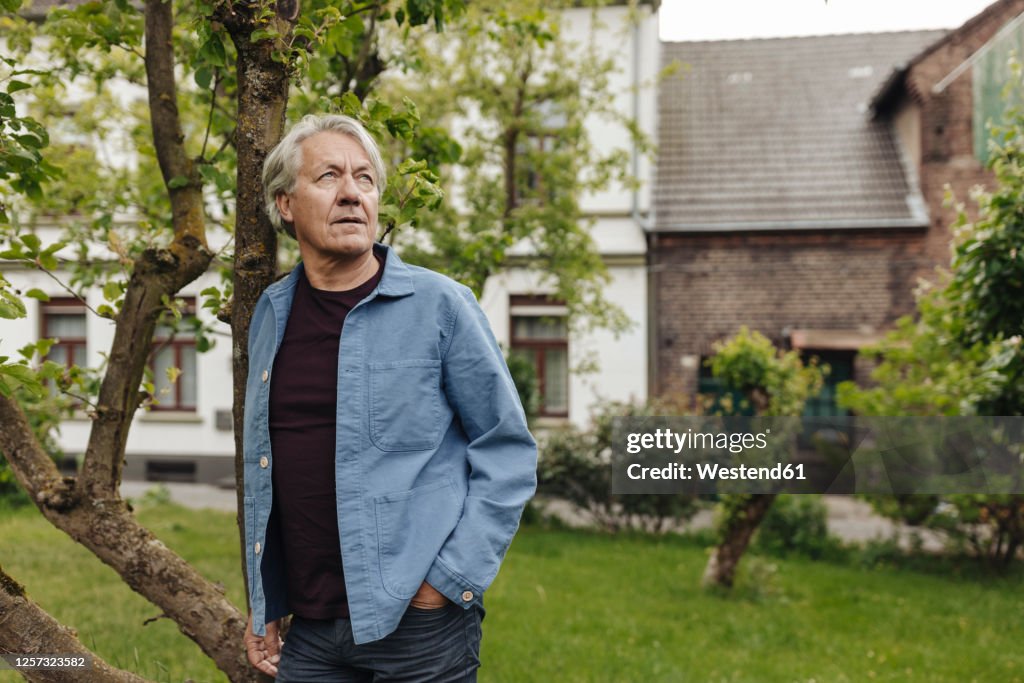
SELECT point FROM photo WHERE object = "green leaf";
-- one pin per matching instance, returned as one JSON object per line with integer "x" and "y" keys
{"x": 54, "y": 248}
{"x": 318, "y": 69}
{"x": 50, "y": 369}
{"x": 15, "y": 86}
{"x": 112, "y": 290}
{"x": 213, "y": 51}
{"x": 203, "y": 77}
{"x": 177, "y": 181}
{"x": 262, "y": 34}
{"x": 30, "y": 240}
{"x": 212, "y": 298}
{"x": 22, "y": 375}
{"x": 48, "y": 261}
{"x": 43, "y": 346}
{"x": 11, "y": 306}
{"x": 36, "y": 293}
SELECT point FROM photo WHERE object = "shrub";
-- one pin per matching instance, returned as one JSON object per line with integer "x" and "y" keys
{"x": 576, "y": 465}
{"x": 796, "y": 524}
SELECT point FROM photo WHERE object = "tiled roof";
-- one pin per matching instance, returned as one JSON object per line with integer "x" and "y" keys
{"x": 775, "y": 134}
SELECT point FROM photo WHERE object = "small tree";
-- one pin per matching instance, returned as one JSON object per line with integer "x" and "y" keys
{"x": 772, "y": 383}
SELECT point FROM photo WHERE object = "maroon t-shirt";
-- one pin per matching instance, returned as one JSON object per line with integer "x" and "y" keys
{"x": 303, "y": 409}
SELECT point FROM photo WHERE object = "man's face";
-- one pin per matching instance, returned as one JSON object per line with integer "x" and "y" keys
{"x": 334, "y": 204}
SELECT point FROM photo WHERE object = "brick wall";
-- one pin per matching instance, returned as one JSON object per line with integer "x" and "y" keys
{"x": 707, "y": 286}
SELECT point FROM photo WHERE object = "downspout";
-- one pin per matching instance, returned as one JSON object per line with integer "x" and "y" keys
{"x": 646, "y": 225}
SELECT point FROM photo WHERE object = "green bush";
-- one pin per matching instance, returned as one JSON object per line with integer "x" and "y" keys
{"x": 796, "y": 525}
{"x": 576, "y": 465}
{"x": 963, "y": 353}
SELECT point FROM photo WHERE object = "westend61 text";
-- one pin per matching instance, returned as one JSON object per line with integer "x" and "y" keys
{"x": 714, "y": 472}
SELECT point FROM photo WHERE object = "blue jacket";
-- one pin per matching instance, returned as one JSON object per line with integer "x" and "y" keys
{"x": 433, "y": 462}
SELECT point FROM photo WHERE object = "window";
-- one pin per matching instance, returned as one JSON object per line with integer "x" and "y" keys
{"x": 174, "y": 346}
{"x": 64, "y": 320}
{"x": 540, "y": 334}
{"x": 536, "y": 150}
{"x": 529, "y": 180}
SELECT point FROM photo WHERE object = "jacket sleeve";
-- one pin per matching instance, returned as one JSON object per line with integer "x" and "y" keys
{"x": 501, "y": 458}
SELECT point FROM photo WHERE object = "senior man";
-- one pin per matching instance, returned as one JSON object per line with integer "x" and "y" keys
{"x": 387, "y": 457}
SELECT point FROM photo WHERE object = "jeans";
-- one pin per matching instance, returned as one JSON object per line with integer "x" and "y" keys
{"x": 429, "y": 645}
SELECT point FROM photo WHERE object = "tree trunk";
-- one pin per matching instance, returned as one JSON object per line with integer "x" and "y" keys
{"x": 262, "y": 102}
{"x": 739, "y": 528}
{"x": 26, "y": 629}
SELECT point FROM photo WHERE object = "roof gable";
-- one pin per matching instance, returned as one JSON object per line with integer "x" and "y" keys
{"x": 987, "y": 23}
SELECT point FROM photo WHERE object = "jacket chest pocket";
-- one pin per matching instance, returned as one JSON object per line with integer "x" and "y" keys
{"x": 407, "y": 406}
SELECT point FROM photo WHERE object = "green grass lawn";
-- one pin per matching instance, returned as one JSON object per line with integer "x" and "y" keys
{"x": 572, "y": 606}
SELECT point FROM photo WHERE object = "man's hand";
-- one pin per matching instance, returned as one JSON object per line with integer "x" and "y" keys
{"x": 264, "y": 652}
{"x": 428, "y": 597}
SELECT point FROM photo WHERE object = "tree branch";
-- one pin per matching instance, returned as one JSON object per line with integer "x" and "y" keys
{"x": 158, "y": 273}
{"x": 209, "y": 118}
{"x": 25, "y": 628}
{"x": 180, "y": 176}
{"x": 34, "y": 469}
{"x": 107, "y": 528}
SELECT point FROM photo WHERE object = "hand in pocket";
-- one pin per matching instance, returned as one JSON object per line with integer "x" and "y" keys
{"x": 427, "y": 597}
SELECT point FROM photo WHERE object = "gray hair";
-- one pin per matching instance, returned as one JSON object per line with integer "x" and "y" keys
{"x": 281, "y": 168}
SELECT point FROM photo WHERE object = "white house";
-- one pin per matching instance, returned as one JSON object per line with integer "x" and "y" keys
{"x": 510, "y": 299}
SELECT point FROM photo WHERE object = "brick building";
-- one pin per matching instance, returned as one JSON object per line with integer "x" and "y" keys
{"x": 934, "y": 103}
{"x": 799, "y": 189}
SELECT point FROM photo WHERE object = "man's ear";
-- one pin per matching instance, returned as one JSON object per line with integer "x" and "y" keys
{"x": 284, "y": 206}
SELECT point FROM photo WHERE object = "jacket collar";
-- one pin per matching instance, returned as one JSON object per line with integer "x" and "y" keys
{"x": 396, "y": 281}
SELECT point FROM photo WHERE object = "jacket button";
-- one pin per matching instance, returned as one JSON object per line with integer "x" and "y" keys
{"x": 266, "y": 375}
{"x": 264, "y": 462}
{"x": 257, "y": 548}
{"x": 467, "y": 596}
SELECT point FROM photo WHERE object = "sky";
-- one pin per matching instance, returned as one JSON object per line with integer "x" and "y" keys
{"x": 727, "y": 19}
